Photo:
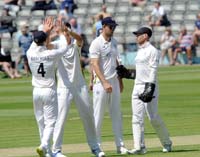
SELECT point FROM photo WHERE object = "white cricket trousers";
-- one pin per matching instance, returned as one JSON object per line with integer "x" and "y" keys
{"x": 45, "y": 109}
{"x": 101, "y": 100}
{"x": 138, "y": 112}
{"x": 82, "y": 101}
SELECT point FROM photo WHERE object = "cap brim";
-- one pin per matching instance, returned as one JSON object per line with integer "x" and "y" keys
{"x": 136, "y": 33}
{"x": 111, "y": 24}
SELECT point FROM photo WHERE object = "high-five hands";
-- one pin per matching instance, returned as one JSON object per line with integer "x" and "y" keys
{"x": 48, "y": 24}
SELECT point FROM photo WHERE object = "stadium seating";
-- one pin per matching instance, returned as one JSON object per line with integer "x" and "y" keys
{"x": 179, "y": 12}
{"x": 129, "y": 18}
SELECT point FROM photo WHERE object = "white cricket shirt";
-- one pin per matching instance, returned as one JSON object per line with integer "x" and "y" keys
{"x": 107, "y": 54}
{"x": 43, "y": 63}
{"x": 146, "y": 61}
{"x": 69, "y": 72}
{"x": 158, "y": 12}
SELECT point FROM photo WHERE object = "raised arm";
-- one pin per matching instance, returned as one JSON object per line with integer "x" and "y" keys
{"x": 76, "y": 36}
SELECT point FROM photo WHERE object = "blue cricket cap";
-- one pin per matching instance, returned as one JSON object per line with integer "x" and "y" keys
{"x": 108, "y": 21}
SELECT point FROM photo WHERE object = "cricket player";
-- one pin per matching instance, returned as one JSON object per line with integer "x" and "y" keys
{"x": 106, "y": 85}
{"x": 71, "y": 85}
{"x": 42, "y": 64}
{"x": 145, "y": 93}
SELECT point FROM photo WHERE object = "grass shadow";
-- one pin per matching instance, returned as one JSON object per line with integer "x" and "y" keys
{"x": 116, "y": 155}
{"x": 173, "y": 151}
{"x": 185, "y": 150}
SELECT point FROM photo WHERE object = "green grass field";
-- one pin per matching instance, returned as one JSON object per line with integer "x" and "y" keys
{"x": 179, "y": 106}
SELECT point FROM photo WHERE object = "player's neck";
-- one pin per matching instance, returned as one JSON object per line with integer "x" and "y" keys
{"x": 144, "y": 44}
{"x": 106, "y": 37}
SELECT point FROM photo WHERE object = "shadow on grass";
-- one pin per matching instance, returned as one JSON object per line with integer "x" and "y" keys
{"x": 129, "y": 134}
{"x": 116, "y": 155}
{"x": 150, "y": 133}
{"x": 155, "y": 152}
{"x": 185, "y": 150}
{"x": 173, "y": 151}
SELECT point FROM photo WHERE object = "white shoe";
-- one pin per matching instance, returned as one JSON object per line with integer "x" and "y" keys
{"x": 101, "y": 154}
{"x": 48, "y": 155}
{"x": 41, "y": 151}
{"x": 167, "y": 148}
{"x": 122, "y": 150}
{"x": 58, "y": 154}
{"x": 98, "y": 152}
{"x": 143, "y": 150}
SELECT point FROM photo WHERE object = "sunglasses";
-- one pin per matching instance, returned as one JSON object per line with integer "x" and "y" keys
{"x": 111, "y": 27}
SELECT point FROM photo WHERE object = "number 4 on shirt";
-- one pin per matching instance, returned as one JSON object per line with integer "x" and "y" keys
{"x": 41, "y": 70}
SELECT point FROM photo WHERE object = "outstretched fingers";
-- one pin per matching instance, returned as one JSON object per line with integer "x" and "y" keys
{"x": 48, "y": 24}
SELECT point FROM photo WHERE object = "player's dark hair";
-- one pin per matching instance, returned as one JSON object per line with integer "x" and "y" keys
{"x": 67, "y": 24}
{"x": 39, "y": 37}
{"x": 158, "y": 2}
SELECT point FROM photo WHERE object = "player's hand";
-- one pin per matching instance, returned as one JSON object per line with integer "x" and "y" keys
{"x": 48, "y": 24}
{"x": 58, "y": 24}
{"x": 107, "y": 86}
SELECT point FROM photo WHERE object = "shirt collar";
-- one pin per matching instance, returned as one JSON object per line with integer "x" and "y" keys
{"x": 146, "y": 44}
{"x": 42, "y": 48}
{"x": 104, "y": 41}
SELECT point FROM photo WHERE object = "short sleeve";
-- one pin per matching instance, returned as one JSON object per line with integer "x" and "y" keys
{"x": 153, "y": 12}
{"x": 162, "y": 11}
{"x": 94, "y": 50}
